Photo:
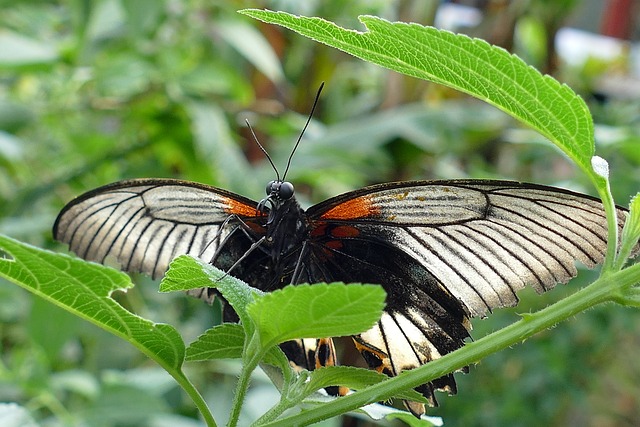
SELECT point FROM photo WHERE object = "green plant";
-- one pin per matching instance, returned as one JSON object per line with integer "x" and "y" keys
{"x": 465, "y": 64}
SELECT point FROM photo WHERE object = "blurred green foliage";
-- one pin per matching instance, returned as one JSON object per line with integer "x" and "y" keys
{"x": 96, "y": 91}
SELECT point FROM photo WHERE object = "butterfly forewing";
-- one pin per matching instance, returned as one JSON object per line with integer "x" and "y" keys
{"x": 143, "y": 224}
{"x": 483, "y": 240}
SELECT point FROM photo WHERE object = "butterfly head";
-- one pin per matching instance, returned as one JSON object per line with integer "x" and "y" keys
{"x": 278, "y": 191}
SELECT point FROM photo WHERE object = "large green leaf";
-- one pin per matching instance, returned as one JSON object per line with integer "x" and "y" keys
{"x": 469, "y": 65}
{"x": 85, "y": 289}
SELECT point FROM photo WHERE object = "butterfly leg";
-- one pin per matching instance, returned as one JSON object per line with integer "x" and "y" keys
{"x": 238, "y": 224}
{"x": 296, "y": 277}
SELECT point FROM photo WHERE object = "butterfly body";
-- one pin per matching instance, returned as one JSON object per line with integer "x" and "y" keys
{"x": 444, "y": 251}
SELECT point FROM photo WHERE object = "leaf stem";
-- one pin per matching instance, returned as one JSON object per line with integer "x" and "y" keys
{"x": 275, "y": 411}
{"x": 251, "y": 356}
{"x": 195, "y": 396}
{"x": 604, "y": 191}
{"x": 603, "y": 289}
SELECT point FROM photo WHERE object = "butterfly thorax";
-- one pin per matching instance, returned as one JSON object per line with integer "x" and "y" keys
{"x": 286, "y": 226}
{"x": 287, "y": 230}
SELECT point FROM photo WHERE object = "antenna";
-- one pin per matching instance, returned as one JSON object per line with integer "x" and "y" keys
{"x": 295, "y": 147}
{"x": 255, "y": 138}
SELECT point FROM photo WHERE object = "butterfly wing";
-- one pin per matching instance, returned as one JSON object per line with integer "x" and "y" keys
{"x": 143, "y": 224}
{"x": 448, "y": 250}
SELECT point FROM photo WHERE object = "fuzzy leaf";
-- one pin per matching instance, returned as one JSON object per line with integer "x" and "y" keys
{"x": 84, "y": 289}
{"x": 469, "y": 65}
{"x": 186, "y": 272}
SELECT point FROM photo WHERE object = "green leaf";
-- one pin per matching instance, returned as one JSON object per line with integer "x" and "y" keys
{"x": 469, "y": 65}
{"x": 354, "y": 378}
{"x": 20, "y": 51}
{"x": 319, "y": 310}
{"x": 224, "y": 341}
{"x": 253, "y": 46}
{"x": 121, "y": 404}
{"x": 213, "y": 140}
{"x": 186, "y": 272}
{"x": 630, "y": 231}
{"x": 84, "y": 289}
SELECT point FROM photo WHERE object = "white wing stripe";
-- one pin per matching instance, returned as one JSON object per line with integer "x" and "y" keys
{"x": 476, "y": 266}
{"x": 102, "y": 243}
{"x": 512, "y": 254}
{"x": 489, "y": 264}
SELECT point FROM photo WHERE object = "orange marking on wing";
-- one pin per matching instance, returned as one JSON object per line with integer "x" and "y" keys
{"x": 326, "y": 356}
{"x": 377, "y": 359}
{"x": 342, "y": 231}
{"x": 319, "y": 230}
{"x": 334, "y": 244}
{"x": 241, "y": 209}
{"x": 360, "y": 207}
{"x": 325, "y": 353}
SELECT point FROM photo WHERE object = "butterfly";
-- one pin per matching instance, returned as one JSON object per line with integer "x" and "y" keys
{"x": 444, "y": 251}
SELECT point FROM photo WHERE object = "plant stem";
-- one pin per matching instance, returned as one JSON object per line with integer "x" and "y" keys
{"x": 602, "y": 185}
{"x": 604, "y": 289}
{"x": 251, "y": 356}
{"x": 274, "y": 412}
{"x": 196, "y": 397}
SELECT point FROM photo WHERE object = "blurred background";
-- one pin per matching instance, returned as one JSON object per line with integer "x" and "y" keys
{"x": 94, "y": 91}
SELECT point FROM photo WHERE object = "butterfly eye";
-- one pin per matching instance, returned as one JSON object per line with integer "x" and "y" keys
{"x": 285, "y": 192}
{"x": 271, "y": 187}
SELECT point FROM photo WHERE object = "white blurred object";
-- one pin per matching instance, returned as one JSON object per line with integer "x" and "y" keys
{"x": 454, "y": 17}
{"x": 576, "y": 46}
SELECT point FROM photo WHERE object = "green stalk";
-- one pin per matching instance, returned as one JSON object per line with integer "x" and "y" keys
{"x": 277, "y": 410}
{"x": 604, "y": 191}
{"x": 251, "y": 356}
{"x": 195, "y": 396}
{"x": 606, "y": 288}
